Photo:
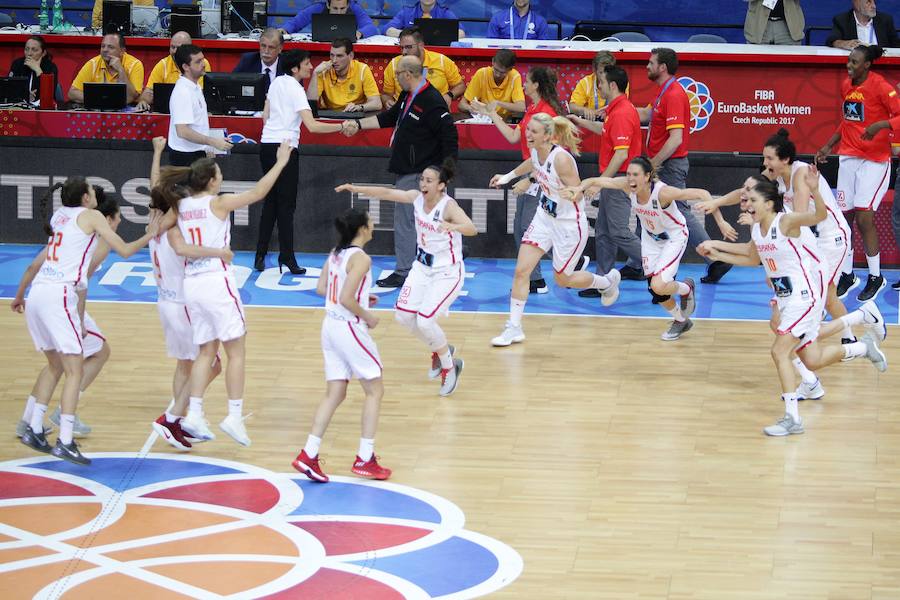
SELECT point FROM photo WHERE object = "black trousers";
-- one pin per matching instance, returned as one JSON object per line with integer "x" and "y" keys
{"x": 280, "y": 202}
{"x": 184, "y": 159}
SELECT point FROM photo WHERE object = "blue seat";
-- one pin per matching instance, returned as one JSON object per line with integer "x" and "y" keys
{"x": 6, "y": 20}
{"x": 706, "y": 38}
{"x": 630, "y": 36}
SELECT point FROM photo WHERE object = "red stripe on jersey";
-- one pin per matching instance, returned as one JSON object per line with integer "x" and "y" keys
{"x": 844, "y": 254}
{"x": 887, "y": 169}
{"x": 361, "y": 345}
{"x": 452, "y": 253}
{"x": 811, "y": 253}
{"x": 236, "y": 303}
{"x": 84, "y": 256}
{"x": 450, "y": 293}
{"x": 71, "y": 322}
{"x": 800, "y": 260}
{"x": 794, "y": 324}
{"x": 580, "y": 236}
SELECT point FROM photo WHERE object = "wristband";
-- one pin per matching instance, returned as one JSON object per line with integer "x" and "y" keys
{"x": 507, "y": 178}
{"x": 450, "y": 93}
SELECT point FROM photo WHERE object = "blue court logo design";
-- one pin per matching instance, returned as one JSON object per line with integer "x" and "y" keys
{"x": 702, "y": 104}
{"x": 203, "y": 527}
{"x": 239, "y": 138}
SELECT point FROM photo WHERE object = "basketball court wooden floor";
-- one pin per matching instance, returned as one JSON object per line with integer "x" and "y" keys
{"x": 616, "y": 465}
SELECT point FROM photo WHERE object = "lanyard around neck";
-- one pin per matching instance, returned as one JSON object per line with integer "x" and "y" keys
{"x": 512, "y": 24}
{"x": 656, "y": 102}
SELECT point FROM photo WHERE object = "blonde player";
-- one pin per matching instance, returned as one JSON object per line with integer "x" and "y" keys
{"x": 664, "y": 236}
{"x": 51, "y": 310}
{"x": 437, "y": 276}
{"x": 786, "y": 248}
{"x": 349, "y": 350}
{"x": 210, "y": 291}
{"x": 168, "y": 252}
{"x": 559, "y": 224}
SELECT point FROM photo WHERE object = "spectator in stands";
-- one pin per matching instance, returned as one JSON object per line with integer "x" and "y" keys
{"x": 424, "y": 135}
{"x": 364, "y": 25}
{"x": 782, "y": 24}
{"x": 165, "y": 70}
{"x": 863, "y": 25}
{"x": 114, "y": 65}
{"x": 97, "y": 17}
{"x": 498, "y": 86}
{"x": 271, "y": 43}
{"x": 586, "y": 99}
{"x": 36, "y": 62}
{"x": 441, "y": 72}
{"x": 425, "y": 9}
{"x": 343, "y": 83}
{"x": 669, "y": 124}
{"x": 189, "y": 137}
{"x": 519, "y": 22}
{"x": 621, "y": 142}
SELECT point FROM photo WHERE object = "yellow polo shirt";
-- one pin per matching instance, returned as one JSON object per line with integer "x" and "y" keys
{"x": 96, "y": 71}
{"x": 165, "y": 71}
{"x": 97, "y": 16}
{"x": 483, "y": 87}
{"x": 359, "y": 84}
{"x": 441, "y": 73}
{"x": 587, "y": 95}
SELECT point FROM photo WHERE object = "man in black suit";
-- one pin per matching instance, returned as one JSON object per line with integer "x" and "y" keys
{"x": 863, "y": 25}
{"x": 271, "y": 43}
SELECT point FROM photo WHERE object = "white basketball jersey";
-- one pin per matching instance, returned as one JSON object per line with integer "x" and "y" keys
{"x": 792, "y": 264}
{"x": 168, "y": 268}
{"x": 660, "y": 223}
{"x": 436, "y": 247}
{"x": 337, "y": 276}
{"x": 201, "y": 227}
{"x": 550, "y": 186}
{"x": 834, "y": 225}
{"x": 69, "y": 249}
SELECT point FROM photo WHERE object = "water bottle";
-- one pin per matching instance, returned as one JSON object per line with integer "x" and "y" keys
{"x": 57, "y": 15}
{"x": 43, "y": 19}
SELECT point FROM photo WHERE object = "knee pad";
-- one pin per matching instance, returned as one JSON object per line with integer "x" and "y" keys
{"x": 657, "y": 298}
{"x": 432, "y": 332}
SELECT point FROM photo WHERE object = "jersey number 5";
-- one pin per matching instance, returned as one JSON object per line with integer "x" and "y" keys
{"x": 53, "y": 246}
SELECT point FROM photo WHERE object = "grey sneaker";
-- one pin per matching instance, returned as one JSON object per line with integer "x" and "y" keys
{"x": 23, "y": 426}
{"x": 70, "y": 452}
{"x": 810, "y": 392}
{"x": 786, "y": 425}
{"x": 689, "y": 302}
{"x": 435, "y": 370}
{"x": 873, "y": 320}
{"x": 873, "y": 353}
{"x": 79, "y": 430}
{"x": 35, "y": 441}
{"x": 511, "y": 335}
{"x": 451, "y": 377}
{"x": 676, "y": 329}
{"x": 609, "y": 295}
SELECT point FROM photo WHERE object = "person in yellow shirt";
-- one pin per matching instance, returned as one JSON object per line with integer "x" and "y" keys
{"x": 343, "y": 83}
{"x": 114, "y": 65}
{"x": 586, "y": 100}
{"x": 441, "y": 72}
{"x": 165, "y": 70}
{"x": 97, "y": 17}
{"x": 498, "y": 86}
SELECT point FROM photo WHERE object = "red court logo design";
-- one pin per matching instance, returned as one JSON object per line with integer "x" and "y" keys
{"x": 196, "y": 527}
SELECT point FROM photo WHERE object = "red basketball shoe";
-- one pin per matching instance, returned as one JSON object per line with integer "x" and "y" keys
{"x": 370, "y": 469}
{"x": 310, "y": 467}
{"x": 171, "y": 432}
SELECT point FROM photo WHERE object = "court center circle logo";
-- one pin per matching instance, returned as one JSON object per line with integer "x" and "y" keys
{"x": 702, "y": 104}
{"x": 205, "y": 528}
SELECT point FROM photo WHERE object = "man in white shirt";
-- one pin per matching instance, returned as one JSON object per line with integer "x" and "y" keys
{"x": 189, "y": 137}
{"x": 286, "y": 107}
{"x": 863, "y": 25}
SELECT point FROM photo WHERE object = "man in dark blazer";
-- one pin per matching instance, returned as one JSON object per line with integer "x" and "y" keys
{"x": 271, "y": 43}
{"x": 863, "y": 25}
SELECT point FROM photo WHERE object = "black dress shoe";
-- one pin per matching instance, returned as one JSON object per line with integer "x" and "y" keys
{"x": 394, "y": 280}
{"x": 589, "y": 293}
{"x": 632, "y": 274}
{"x": 260, "y": 262}
{"x": 716, "y": 271}
{"x": 291, "y": 263}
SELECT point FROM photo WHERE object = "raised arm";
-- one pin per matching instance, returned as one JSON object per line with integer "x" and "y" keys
{"x": 456, "y": 219}
{"x": 380, "y": 193}
{"x": 791, "y": 222}
{"x": 159, "y": 144}
{"x": 230, "y": 202}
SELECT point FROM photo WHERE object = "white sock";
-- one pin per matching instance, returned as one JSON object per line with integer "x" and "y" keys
{"x": 683, "y": 289}
{"x": 806, "y": 375}
{"x": 675, "y": 311}
{"x": 196, "y": 406}
{"x": 874, "y": 263}
{"x": 854, "y": 350}
{"x": 446, "y": 360}
{"x": 312, "y": 446}
{"x": 66, "y": 424}
{"x": 847, "y": 265}
{"x": 791, "y": 406}
{"x": 853, "y": 318}
{"x": 600, "y": 282}
{"x": 847, "y": 333}
{"x": 29, "y": 408}
{"x": 235, "y": 407}
{"x": 516, "y": 308}
{"x": 366, "y": 449}
{"x": 37, "y": 417}
{"x": 170, "y": 418}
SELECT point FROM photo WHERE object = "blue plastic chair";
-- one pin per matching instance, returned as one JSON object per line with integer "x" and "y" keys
{"x": 706, "y": 38}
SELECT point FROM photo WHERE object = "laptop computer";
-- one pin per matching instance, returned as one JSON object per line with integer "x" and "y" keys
{"x": 105, "y": 96}
{"x": 327, "y": 27}
{"x": 14, "y": 90}
{"x": 161, "y": 94}
{"x": 439, "y": 32}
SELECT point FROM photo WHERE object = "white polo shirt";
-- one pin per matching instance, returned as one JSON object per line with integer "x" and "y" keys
{"x": 286, "y": 99}
{"x": 187, "y": 106}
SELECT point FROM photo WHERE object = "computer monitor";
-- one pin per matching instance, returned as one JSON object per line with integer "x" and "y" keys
{"x": 161, "y": 94}
{"x": 230, "y": 92}
{"x": 144, "y": 18}
{"x": 239, "y": 15}
{"x": 116, "y": 17}
{"x": 186, "y": 18}
{"x": 438, "y": 32}
{"x": 105, "y": 96}
{"x": 327, "y": 27}
{"x": 14, "y": 90}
